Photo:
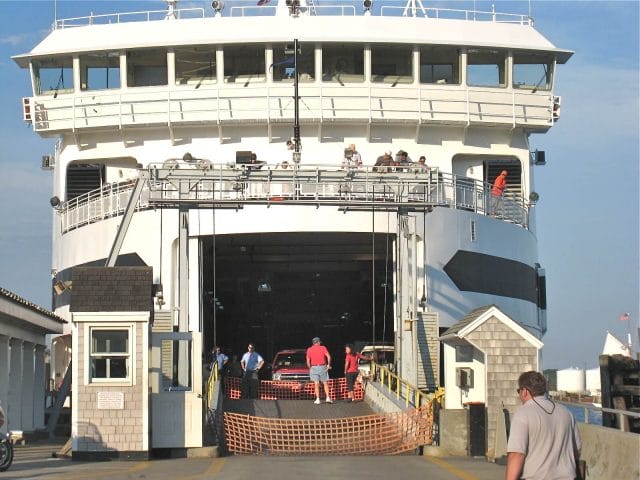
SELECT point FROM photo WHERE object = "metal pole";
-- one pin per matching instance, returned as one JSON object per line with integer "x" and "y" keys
{"x": 296, "y": 98}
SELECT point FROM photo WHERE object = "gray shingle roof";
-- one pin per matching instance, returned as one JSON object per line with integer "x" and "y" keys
{"x": 466, "y": 320}
{"x": 30, "y": 305}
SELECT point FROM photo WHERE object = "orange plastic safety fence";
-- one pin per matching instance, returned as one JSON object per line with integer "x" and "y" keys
{"x": 390, "y": 433}
{"x": 283, "y": 390}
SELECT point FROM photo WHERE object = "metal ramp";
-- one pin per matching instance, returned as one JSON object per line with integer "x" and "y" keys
{"x": 300, "y": 427}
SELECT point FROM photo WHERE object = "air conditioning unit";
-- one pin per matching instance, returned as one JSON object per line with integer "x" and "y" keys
{"x": 464, "y": 377}
{"x": 48, "y": 162}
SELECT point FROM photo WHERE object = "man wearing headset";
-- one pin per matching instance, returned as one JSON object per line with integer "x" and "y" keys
{"x": 544, "y": 442}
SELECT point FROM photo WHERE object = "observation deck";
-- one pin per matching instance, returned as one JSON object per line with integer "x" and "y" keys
{"x": 365, "y": 189}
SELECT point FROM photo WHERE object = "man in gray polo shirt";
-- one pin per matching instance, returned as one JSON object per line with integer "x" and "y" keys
{"x": 544, "y": 442}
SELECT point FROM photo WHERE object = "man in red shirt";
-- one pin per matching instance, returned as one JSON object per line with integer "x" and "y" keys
{"x": 497, "y": 190}
{"x": 319, "y": 363}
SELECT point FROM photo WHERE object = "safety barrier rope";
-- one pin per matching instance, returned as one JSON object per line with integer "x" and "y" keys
{"x": 291, "y": 390}
{"x": 386, "y": 434}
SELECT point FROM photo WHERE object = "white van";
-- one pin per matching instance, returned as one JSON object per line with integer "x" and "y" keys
{"x": 382, "y": 354}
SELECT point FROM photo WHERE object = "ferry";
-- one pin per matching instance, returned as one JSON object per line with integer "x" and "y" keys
{"x": 264, "y": 160}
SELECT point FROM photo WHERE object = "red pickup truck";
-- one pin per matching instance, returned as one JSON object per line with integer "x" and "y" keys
{"x": 290, "y": 365}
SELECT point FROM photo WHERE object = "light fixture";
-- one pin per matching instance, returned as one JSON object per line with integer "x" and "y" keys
{"x": 534, "y": 197}
{"x": 264, "y": 287}
{"x": 367, "y": 4}
{"x": 423, "y": 300}
{"x": 539, "y": 157}
{"x": 218, "y": 6}
{"x": 59, "y": 286}
{"x": 294, "y": 6}
{"x": 54, "y": 201}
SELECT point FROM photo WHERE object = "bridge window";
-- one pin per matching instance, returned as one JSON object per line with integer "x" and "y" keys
{"x": 53, "y": 75}
{"x": 283, "y": 63}
{"x": 146, "y": 68}
{"x": 342, "y": 63}
{"x": 100, "y": 71}
{"x": 195, "y": 66}
{"x": 532, "y": 71}
{"x": 110, "y": 354}
{"x": 391, "y": 64}
{"x": 244, "y": 64}
{"x": 486, "y": 68}
{"x": 440, "y": 65}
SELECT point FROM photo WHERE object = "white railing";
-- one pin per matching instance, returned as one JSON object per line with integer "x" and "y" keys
{"x": 273, "y": 103}
{"x": 326, "y": 9}
{"x": 126, "y": 17}
{"x": 589, "y": 408}
{"x": 365, "y": 187}
{"x": 455, "y": 14}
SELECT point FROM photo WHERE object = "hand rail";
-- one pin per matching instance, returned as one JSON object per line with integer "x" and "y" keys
{"x": 404, "y": 390}
{"x": 587, "y": 408}
{"x": 427, "y": 103}
{"x": 328, "y": 9}
{"x": 409, "y": 185}
{"x": 213, "y": 378}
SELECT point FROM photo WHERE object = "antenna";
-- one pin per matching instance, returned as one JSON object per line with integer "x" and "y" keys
{"x": 414, "y": 5}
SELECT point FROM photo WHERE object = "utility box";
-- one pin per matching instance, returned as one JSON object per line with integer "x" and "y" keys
{"x": 464, "y": 377}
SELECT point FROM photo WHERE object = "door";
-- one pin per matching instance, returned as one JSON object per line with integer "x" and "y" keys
{"x": 176, "y": 390}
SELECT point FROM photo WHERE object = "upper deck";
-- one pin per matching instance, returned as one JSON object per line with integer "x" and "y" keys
{"x": 391, "y": 63}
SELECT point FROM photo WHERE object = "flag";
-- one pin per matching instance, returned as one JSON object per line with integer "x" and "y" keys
{"x": 624, "y": 317}
{"x": 263, "y": 2}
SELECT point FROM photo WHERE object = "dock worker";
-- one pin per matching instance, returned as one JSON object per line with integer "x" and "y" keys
{"x": 544, "y": 442}
{"x": 319, "y": 363}
{"x": 251, "y": 364}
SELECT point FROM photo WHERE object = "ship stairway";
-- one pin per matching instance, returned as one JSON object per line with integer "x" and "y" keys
{"x": 285, "y": 420}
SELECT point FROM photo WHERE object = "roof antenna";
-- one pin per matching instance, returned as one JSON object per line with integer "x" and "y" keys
{"x": 413, "y": 6}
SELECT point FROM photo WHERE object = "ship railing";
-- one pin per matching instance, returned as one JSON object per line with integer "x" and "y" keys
{"x": 591, "y": 413}
{"x": 327, "y": 9}
{"x": 329, "y": 102}
{"x": 386, "y": 187}
{"x": 455, "y": 14}
{"x": 313, "y": 10}
{"x": 126, "y": 17}
{"x": 99, "y": 204}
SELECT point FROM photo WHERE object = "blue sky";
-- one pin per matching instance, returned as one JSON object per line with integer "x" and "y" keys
{"x": 588, "y": 214}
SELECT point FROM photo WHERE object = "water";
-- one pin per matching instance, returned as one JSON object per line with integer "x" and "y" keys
{"x": 595, "y": 416}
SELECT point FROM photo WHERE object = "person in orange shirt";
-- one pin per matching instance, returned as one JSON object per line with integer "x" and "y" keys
{"x": 497, "y": 191}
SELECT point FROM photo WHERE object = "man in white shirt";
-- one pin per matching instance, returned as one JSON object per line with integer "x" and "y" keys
{"x": 251, "y": 364}
{"x": 544, "y": 442}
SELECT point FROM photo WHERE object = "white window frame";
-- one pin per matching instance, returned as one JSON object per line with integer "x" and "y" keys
{"x": 131, "y": 354}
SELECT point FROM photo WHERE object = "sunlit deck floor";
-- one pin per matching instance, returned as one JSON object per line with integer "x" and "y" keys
{"x": 304, "y": 409}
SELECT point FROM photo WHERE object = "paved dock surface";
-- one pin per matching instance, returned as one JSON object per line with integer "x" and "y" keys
{"x": 304, "y": 409}
{"x": 35, "y": 462}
